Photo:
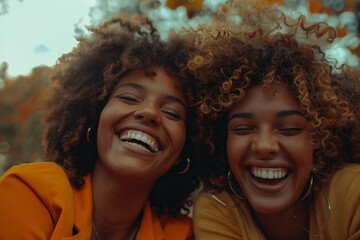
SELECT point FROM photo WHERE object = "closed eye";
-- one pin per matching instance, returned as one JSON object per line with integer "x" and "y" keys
{"x": 130, "y": 98}
{"x": 289, "y": 131}
{"x": 171, "y": 114}
{"x": 243, "y": 130}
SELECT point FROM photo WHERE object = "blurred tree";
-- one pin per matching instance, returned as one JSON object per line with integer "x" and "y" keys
{"x": 20, "y": 118}
{"x": 356, "y": 7}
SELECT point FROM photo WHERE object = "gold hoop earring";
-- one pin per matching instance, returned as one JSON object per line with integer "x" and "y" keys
{"x": 88, "y": 135}
{"x": 186, "y": 168}
{"x": 325, "y": 221}
{"x": 308, "y": 191}
{"x": 214, "y": 196}
{"x": 240, "y": 196}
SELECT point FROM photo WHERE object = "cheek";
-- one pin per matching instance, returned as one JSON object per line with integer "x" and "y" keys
{"x": 307, "y": 155}
{"x": 101, "y": 141}
{"x": 103, "y": 127}
{"x": 235, "y": 148}
{"x": 302, "y": 152}
{"x": 180, "y": 133}
{"x": 105, "y": 116}
{"x": 111, "y": 114}
{"x": 176, "y": 132}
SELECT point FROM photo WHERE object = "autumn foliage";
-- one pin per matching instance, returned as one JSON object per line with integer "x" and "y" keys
{"x": 21, "y": 125}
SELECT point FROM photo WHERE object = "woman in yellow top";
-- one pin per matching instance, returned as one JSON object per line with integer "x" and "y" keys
{"x": 284, "y": 130}
{"x": 119, "y": 129}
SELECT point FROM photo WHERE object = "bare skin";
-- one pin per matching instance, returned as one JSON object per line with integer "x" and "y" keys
{"x": 153, "y": 109}
{"x": 282, "y": 227}
{"x": 112, "y": 199}
{"x": 271, "y": 156}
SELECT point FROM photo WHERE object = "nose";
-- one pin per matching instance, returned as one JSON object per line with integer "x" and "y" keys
{"x": 265, "y": 144}
{"x": 148, "y": 112}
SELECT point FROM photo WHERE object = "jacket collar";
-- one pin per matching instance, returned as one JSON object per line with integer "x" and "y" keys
{"x": 150, "y": 227}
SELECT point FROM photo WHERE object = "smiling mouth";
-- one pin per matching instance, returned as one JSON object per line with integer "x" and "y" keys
{"x": 269, "y": 175}
{"x": 140, "y": 139}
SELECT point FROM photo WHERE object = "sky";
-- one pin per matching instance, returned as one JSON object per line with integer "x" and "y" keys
{"x": 37, "y": 32}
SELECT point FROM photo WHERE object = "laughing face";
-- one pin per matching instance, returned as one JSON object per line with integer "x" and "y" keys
{"x": 269, "y": 149}
{"x": 142, "y": 127}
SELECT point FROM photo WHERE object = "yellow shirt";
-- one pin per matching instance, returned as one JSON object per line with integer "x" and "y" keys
{"x": 38, "y": 202}
{"x": 212, "y": 221}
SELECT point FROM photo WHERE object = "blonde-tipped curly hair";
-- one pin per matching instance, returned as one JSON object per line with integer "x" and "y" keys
{"x": 239, "y": 50}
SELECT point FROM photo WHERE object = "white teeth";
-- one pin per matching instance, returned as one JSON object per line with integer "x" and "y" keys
{"x": 150, "y": 142}
{"x": 269, "y": 173}
{"x": 263, "y": 174}
{"x": 138, "y": 136}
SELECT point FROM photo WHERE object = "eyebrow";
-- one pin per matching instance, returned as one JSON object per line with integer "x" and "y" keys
{"x": 241, "y": 115}
{"x": 133, "y": 85}
{"x": 140, "y": 87}
{"x": 280, "y": 114}
{"x": 289, "y": 113}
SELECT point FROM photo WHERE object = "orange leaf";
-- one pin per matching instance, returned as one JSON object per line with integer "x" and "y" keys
{"x": 341, "y": 32}
{"x": 190, "y": 5}
{"x": 318, "y": 7}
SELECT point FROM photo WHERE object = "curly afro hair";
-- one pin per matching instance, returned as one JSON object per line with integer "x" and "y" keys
{"x": 83, "y": 81}
{"x": 234, "y": 55}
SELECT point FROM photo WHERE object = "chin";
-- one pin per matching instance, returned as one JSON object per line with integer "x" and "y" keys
{"x": 269, "y": 205}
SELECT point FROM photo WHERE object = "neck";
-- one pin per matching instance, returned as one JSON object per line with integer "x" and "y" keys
{"x": 117, "y": 204}
{"x": 281, "y": 225}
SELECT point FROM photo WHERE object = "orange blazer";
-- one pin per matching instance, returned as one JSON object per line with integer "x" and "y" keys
{"x": 38, "y": 202}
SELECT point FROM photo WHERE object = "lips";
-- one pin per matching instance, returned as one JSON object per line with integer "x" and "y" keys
{"x": 140, "y": 139}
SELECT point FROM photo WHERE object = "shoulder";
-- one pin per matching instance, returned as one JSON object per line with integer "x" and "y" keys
{"x": 164, "y": 226}
{"x": 221, "y": 207}
{"x": 222, "y": 216}
{"x": 206, "y": 200}
{"x": 45, "y": 180}
{"x": 36, "y": 174}
{"x": 342, "y": 194}
{"x": 213, "y": 207}
{"x": 204, "y": 197}
{"x": 36, "y": 168}
{"x": 33, "y": 197}
{"x": 347, "y": 176}
{"x": 180, "y": 226}
{"x": 342, "y": 188}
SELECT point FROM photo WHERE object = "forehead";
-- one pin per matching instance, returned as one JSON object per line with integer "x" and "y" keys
{"x": 256, "y": 99}
{"x": 159, "y": 83}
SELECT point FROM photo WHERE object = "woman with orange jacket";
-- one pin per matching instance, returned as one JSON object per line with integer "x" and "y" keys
{"x": 119, "y": 149}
